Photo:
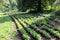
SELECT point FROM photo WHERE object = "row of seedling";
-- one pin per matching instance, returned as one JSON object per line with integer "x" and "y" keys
{"x": 33, "y": 26}
{"x": 23, "y": 33}
{"x": 33, "y": 33}
{"x": 55, "y": 33}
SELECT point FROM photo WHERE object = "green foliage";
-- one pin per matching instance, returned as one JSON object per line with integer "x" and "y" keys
{"x": 23, "y": 5}
{"x": 7, "y": 5}
{"x": 46, "y": 27}
{"x": 58, "y": 28}
{"x": 32, "y": 32}
{"x": 57, "y": 13}
{"x": 33, "y": 26}
{"x": 6, "y": 28}
{"x": 55, "y": 33}
{"x": 22, "y": 31}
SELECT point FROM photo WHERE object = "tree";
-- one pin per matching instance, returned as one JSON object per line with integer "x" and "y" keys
{"x": 23, "y": 5}
{"x": 57, "y": 3}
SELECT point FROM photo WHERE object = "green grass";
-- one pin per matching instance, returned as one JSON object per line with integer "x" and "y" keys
{"x": 6, "y": 28}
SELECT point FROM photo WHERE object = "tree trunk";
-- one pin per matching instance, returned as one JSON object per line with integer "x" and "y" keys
{"x": 39, "y": 7}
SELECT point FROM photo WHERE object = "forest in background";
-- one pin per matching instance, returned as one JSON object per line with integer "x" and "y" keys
{"x": 24, "y": 5}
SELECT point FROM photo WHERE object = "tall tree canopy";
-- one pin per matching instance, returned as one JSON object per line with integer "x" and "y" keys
{"x": 23, "y": 5}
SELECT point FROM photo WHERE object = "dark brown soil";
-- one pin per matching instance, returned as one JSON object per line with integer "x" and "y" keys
{"x": 55, "y": 24}
{"x": 18, "y": 36}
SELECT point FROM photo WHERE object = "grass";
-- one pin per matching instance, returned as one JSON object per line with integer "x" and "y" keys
{"x": 6, "y": 28}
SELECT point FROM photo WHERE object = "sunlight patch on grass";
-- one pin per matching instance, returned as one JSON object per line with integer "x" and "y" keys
{"x": 47, "y": 15}
{"x": 6, "y": 28}
{"x": 1, "y": 13}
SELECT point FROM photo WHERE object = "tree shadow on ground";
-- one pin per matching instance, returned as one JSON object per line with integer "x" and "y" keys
{"x": 27, "y": 15}
{"x": 4, "y": 19}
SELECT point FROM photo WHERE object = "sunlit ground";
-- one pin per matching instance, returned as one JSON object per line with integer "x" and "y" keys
{"x": 6, "y": 28}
